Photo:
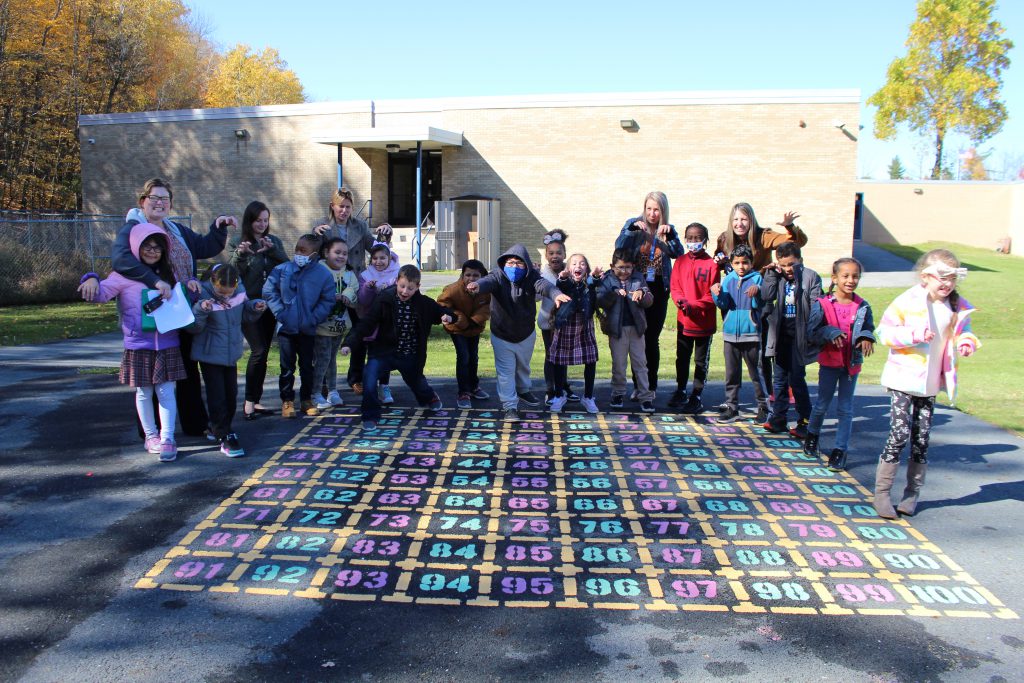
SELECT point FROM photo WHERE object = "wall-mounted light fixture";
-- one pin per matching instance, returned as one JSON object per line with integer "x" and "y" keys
{"x": 241, "y": 134}
{"x": 392, "y": 147}
{"x": 918, "y": 190}
{"x": 841, "y": 125}
{"x": 629, "y": 124}
{"x": 803, "y": 124}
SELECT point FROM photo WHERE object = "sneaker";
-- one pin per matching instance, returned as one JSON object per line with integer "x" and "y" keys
{"x": 571, "y": 396}
{"x": 309, "y": 408}
{"x": 549, "y": 398}
{"x": 435, "y": 404}
{"x": 230, "y": 447}
{"x": 530, "y": 399}
{"x": 168, "y": 451}
{"x": 647, "y": 407}
{"x": 558, "y": 403}
{"x": 728, "y": 414}
{"x": 323, "y": 403}
{"x": 357, "y": 388}
{"x": 619, "y": 400}
{"x": 480, "y": 394}
{"x": 799, "y": 431}
{"x": 335, "y": 398}
{"x": 837, "y": 460}
{"x": 288, "y": 409}
{"x": 210, "y": 436}
{"x": 511, "y": 415}
{"x": 464, "y": 401}
{"x": 153, "y": 445}
{"x": 762, "y": 415}
{"x": 772, "y": 427}
{"x": 811, "y": 444}
{"x": 589, "y": 404}
{"x": 678, "y": 399}
{"x": 384, "y": 392}
{"x": 693, "y": 405}
{"x": 369, "y": 425}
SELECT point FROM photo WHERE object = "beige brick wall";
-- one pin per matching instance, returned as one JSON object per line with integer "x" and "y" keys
{"x": 577, "y": 169}
{"x": 973, "y": 213}
{"x": 570, "y": 167}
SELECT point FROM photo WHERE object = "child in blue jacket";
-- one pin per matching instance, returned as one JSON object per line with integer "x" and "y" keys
{"x": 738, "y": 296}
{"x": 300, "y": 294}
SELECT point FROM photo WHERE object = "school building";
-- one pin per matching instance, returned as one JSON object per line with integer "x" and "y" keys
{"x": 494, "y": 171}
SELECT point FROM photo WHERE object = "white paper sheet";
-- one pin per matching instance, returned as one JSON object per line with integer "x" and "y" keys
{"x": 174, "y": 313}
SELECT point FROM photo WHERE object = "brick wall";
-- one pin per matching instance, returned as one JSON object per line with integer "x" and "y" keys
{"x": 571, "y": 167}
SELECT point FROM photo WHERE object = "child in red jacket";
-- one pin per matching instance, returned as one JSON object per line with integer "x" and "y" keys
{"x": 692, "y": 276}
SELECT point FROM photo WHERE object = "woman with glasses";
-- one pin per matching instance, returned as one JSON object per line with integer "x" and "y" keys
{"x": 186, "y": 248}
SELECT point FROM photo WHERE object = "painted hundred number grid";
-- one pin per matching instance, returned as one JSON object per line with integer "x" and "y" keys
{"x": 613, "y": 511}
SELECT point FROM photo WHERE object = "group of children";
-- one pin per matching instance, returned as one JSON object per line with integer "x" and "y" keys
{"x": 312, "y": 296}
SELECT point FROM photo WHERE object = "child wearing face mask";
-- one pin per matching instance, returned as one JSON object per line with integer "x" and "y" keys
{"x": 514, "y": 288}
{"x": 693, "y": 275}
{"x": 217, "y": 346}
{"x": 301, "y": 295}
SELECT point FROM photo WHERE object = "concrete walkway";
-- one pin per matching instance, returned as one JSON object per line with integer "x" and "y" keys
{"x": 882, "y": 268}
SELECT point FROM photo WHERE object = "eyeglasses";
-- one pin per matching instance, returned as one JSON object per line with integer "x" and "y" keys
{"x": 949, "y": 279}
{"x": 158, "y": 199}
{"x": 151, "y": 247}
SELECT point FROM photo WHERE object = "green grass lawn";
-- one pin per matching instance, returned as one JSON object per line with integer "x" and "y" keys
{"x": 991, "y": 383}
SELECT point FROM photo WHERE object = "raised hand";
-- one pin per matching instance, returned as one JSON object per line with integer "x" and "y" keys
{"x": 788, "y": 218}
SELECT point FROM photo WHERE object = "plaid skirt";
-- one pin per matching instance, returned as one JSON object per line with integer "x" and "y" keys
{"x": 574, "y": 343}
{"x": 146, "y": 367}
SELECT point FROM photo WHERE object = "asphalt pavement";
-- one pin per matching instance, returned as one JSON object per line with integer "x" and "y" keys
{"x": 84, "y": 514}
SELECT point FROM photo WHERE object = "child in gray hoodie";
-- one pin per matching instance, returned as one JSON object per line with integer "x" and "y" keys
{"x": 514, "y": 287}
{"x": 217, "y": 346}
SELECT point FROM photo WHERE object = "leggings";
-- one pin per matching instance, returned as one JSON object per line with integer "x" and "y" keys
{"x": 911, "y": 420}
{"x": 562, "y": 379}
{"x": 168, "y": 410}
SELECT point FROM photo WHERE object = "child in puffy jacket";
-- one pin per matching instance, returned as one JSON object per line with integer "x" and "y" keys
{"x": 217, "y": 346}
{"x": 300, "y": 294}
{"x": 152, "y": 361}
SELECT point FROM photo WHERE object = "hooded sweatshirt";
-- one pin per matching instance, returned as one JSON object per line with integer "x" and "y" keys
{"x": 692, "y": 277}
{"x": 741, "y": 312}
{"x": 513, "y": 304}
{"x": 129, "y": 296}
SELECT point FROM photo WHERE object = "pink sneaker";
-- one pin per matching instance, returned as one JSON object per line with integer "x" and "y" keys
{"x": 153, "y": 445}
{"x": 168, "y": 451}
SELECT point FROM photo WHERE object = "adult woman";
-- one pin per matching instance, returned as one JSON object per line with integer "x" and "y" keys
{"x": 744, "y": 229}
{"x": 255, "y": 253}
{"x": 357, "y": 235}
{"x": 186, "y": 247}
{"x": 654, "y": 243}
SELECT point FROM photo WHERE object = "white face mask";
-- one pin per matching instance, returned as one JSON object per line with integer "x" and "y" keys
{"x": 300, "y": 260}
{"x": 692, "y": 247}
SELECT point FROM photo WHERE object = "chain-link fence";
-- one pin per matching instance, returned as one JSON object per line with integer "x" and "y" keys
{"x": 43, "y": 256}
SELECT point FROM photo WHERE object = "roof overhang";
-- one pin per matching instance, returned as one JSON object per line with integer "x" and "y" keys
{"x": 381, "y": 138}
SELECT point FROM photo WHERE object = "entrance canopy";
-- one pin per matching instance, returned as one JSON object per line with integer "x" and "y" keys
{"x": 404, "y": 137}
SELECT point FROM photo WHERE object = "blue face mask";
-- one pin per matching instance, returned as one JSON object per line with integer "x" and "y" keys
{"x": 514, "y": 273}
{"x": 300, "y": 260}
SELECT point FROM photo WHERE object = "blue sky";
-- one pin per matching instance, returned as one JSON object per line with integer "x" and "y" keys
{"x": 396, "y": 49}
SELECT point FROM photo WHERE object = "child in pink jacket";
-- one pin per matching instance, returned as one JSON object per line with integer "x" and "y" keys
{"x": 152, "y": 361}
{"x": 927, "y": 329}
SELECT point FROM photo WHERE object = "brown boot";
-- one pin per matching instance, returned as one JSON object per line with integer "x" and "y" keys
{"x": 915, "y": 480}
{"x": 288, "y": 409}
{"x": 309, "y": 408}
{"x": 884, "y": 476}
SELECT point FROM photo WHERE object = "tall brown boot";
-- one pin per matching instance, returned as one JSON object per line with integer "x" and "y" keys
{"x": 915, "y": 480}
{"x": 884, "y": 476}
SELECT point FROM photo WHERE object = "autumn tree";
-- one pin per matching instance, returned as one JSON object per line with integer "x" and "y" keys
{"x": 244, "y": 78}
{"x": 973, "y": 165}
{"x": 896, "y": 170}
{"x": 950, "y": 78}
